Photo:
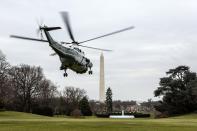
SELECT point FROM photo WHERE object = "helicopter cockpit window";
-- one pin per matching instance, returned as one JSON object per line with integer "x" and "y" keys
{"x": 77, "y": 49}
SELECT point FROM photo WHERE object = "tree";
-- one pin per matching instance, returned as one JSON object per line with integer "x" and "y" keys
{"x": 25, "y": 82}
{"x": 47, "y": 91}
{"x": 177, "y": 90}
{"x": 109, "y": 100}
{"x": 59, "y": 104}
{"x": 4, "y": 80}
{"x": 44, "y": 100}
{"x": 23, "y": 87}
{"x": 85, "y": 107}
{"x": 72, "y": 96}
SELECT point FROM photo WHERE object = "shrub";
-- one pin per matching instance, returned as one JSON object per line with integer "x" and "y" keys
{"x": 1, "y": 104}
{"x": 161, "y": 114}
{"x": 135, "y": 114}
{"x": 76, "y": 113}
{"x": 103, "y": 115}
{"x": 140, "y": 115}
{"x": 43, "y": 110}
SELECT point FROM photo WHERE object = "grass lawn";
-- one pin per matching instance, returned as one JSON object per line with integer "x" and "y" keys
{"x": 16, "y": 121}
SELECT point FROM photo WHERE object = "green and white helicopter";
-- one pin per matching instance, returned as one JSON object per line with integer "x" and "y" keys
{"x": 71, "y": 56}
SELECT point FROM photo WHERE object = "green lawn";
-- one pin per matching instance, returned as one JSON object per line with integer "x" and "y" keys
{"x": 16, "y": 121}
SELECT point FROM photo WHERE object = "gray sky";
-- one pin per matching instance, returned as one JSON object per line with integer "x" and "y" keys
{"x": 164, "y": 37}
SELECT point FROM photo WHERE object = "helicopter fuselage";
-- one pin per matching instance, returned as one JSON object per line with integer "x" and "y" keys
{"x": 72, "y": 58}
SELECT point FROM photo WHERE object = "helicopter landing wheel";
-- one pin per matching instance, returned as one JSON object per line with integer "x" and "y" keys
{"x": 65, "y": 74}
{"x": 90, "y": 72}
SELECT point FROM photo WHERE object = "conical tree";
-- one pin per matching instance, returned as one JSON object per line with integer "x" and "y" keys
{"x": 109, "y": 100}
{"x": 85, "y": 107}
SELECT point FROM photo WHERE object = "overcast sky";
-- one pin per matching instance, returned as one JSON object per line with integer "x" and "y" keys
{"x": 164, "y": 37}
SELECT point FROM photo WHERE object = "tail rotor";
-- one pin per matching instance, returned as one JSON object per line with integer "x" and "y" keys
{"x": 39, "y": 31}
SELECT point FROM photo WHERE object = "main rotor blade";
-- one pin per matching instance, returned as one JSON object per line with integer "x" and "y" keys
{"x": 115, "y": 32}
{"x": 27, "y": 38}
{"x": 94, "y": 48}
{"x": 65, "y": 18}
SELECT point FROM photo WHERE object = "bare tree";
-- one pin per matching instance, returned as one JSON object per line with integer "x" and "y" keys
{"x": 22, "y": 87}
{"x": 25, "y": 82}
{"x": 4, "y": 78}
{"x": 72, "y": 98}
{"x": 47, "y": 91}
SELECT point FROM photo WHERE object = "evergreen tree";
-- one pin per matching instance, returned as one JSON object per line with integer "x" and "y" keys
{"x": 178, "y": 91}
{"x": 85, "y": 107}
{"x": 109, "y": 100}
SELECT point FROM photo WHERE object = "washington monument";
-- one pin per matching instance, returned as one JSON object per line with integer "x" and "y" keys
{"x": 102, "y": 80}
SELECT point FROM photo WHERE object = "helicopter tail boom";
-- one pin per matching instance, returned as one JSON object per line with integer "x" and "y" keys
{"x": 46, "y": 31}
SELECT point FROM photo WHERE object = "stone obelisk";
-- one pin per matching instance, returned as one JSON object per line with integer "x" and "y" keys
{"x": 102, "y": 80}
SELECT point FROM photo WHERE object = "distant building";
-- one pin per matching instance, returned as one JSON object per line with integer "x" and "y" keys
{"x": 102, "y": 80}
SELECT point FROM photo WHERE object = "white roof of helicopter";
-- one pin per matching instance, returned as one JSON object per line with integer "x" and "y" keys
{"x": 76, "y": 48}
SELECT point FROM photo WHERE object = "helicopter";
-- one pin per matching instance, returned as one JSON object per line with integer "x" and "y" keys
{"x": 70, "y": 55}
